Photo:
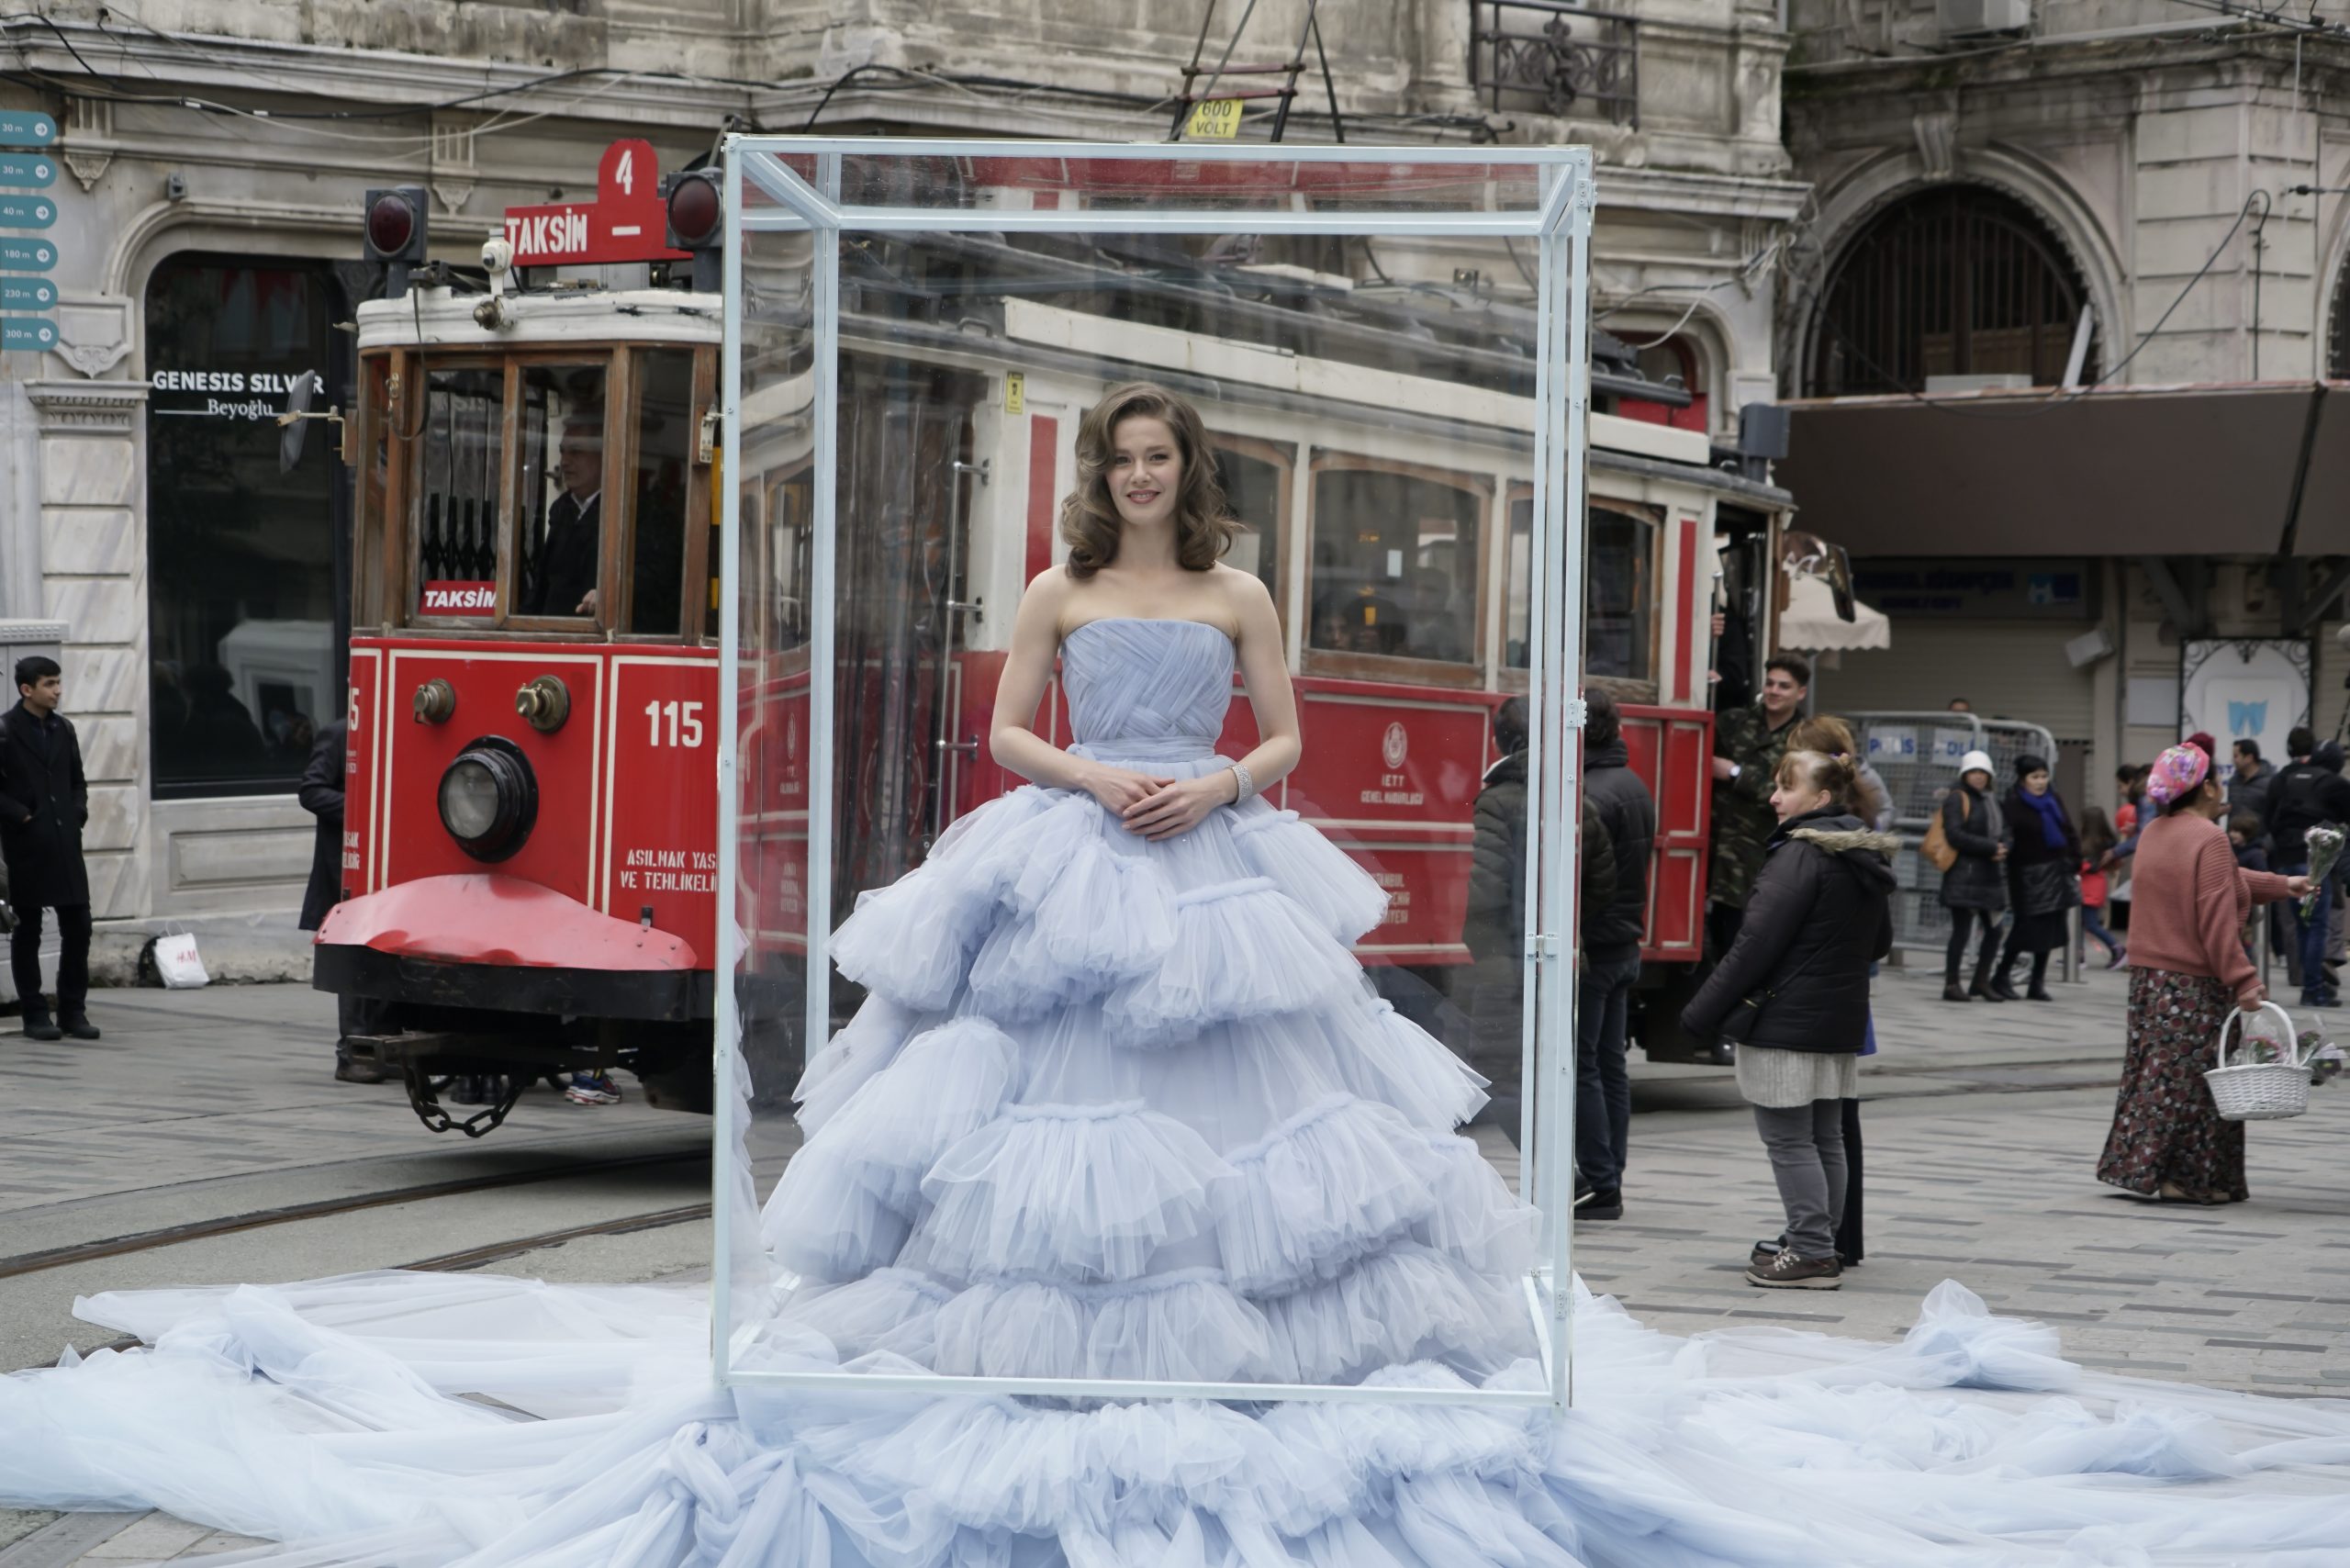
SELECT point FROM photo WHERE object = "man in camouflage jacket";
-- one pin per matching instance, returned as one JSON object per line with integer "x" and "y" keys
{"x": 1748, "y": 744}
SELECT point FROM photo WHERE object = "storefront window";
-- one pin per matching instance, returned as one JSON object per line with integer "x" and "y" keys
{"x": 243, "y": 664}
{"x": 1618, "y": 592}
{"x": 1395, "y": 564}
{"x": 560, "y": 559}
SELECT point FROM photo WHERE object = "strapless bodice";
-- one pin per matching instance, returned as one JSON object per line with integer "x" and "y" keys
{"x": 1146, "y": 690}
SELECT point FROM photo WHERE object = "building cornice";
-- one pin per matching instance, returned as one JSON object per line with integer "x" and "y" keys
{"x": 87, "y": 408}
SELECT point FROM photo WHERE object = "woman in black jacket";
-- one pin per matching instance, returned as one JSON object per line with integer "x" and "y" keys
{"x": 2043, "y": 876}
{"x": 1793, "y": 993}
{"x": 1976, "y": 886}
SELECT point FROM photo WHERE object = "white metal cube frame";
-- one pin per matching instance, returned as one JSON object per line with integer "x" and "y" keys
{"x": 1558, "y": 228}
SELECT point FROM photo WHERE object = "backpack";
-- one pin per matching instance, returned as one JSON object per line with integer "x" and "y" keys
{"x": 1936, "y": 846}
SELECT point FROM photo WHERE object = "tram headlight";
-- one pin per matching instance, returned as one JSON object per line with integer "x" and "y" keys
{"x": 489, "y": 799}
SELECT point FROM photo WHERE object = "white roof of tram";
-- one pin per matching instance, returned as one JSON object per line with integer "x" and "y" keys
{"x": 544, "y": 317}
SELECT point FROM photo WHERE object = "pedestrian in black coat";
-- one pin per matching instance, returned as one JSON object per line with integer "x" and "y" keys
{"x": 44, "y": 805}
{"x": 1793, "y": 993}
{"x": 2043, "y": 876}
{"x": 1975, "y": 887}
{"x": 1622, "y": 820}
{"x": 1492, "y": 926}
{"x": 322, "y": 795}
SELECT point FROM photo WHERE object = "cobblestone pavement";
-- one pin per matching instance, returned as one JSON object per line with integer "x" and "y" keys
{"x": 1983, "y": 1126}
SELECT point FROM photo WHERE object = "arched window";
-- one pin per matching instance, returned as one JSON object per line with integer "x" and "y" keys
{"x": 1960, "y": 280}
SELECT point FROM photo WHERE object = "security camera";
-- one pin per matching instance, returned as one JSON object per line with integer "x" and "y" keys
{"x": 497, "y": 255}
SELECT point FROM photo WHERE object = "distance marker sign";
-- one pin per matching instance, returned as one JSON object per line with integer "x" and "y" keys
{"x": 22, "y": 129}
{"x": 26, "y": 333}
{"x": 26, "y": 212}
{"x": 27, "y": 169}
{"x": 26, "y": 294}
{"x": 26, "y": 255}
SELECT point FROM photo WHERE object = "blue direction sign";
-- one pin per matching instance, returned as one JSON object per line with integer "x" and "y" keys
{"x": 21, "y": 129}
{"x": 26, "y": 294}
{"x": 26, "y": 333}
{"x": 26, "y": 255}
{"x": 27, "y": 169}
{"x": 26, "y": 212}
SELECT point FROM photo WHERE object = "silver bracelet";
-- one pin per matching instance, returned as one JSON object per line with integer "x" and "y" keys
{"x": 1247, "y": 786}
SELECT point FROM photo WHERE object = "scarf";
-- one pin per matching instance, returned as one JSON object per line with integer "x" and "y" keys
{"x": 2052, "y": 816}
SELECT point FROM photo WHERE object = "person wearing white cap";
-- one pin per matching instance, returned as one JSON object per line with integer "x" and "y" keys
{"x": 1974, "y": 888}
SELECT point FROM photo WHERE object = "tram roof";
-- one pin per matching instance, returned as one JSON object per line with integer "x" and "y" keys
{"x": 444, "y": 318}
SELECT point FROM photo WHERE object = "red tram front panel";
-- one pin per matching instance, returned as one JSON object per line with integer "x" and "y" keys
{"x": 627, "y": 819}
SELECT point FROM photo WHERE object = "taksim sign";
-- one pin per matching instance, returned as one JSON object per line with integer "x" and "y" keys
{"x": 626, "y": 222}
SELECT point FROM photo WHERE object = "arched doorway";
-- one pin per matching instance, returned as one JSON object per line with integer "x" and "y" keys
{"x": 1959, "y": 280}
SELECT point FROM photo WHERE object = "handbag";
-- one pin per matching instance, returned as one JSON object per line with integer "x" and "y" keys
{"x": 178, "y": 963}
{"x": 1936, "y": 846}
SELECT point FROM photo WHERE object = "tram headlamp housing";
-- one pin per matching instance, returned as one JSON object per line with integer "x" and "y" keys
{"x": 489, "y": 799}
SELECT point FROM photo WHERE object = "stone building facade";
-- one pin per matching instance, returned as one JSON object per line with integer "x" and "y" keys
{"x": 216, "y": 153}
{"x": 2064, "y": 309}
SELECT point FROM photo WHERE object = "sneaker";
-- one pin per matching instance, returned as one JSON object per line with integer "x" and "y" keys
{"x": 1764, "y": 1253}
{"x": 1788, "y": 1272}
{"x": 80, "y": 1027}
{"x": 592, "y": 1088}
{"x": 38, "y": 1027}
{"x": 2121, "y": 956}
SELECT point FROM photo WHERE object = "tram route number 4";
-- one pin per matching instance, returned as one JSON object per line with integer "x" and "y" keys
{"x": 683, "y": 721}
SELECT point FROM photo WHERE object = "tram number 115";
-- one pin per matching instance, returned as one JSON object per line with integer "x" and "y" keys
{"x": 683, "y": 721}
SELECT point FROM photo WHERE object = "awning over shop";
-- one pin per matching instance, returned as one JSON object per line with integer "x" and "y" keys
{"x": 1810, "y": 622}
{"x": 2153, "y": 471}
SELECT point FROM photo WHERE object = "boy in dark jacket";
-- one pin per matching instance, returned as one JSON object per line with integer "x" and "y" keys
{"x": 1621, "y": 819}
{"x": 44, "y": 805}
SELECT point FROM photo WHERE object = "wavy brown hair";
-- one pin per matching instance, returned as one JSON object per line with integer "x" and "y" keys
{"x": 1089, "y": 522}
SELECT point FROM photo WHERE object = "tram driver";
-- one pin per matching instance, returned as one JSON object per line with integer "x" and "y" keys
{"x": 562, "y": 579}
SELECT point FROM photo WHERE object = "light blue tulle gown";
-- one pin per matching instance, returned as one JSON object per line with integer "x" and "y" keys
{"x": 1128, "y": 1109}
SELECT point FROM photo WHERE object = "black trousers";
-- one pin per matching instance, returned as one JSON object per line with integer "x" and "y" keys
{"x": 72, "y": 961}
{"x": 1961, "y": 923}
{"x": 1848, "y": 1229}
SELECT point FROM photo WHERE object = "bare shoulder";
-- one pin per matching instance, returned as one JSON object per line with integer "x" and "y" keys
{"x": 1242, "y": 598}
{"x": 1046, "y": 595}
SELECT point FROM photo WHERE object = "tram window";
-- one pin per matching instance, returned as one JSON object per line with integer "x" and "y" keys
{"x": 665, "y": 438}
{"x": 1395, "y": 564}
{"x": 1257, "y": 490}
{"x": 559, "y": 536}
{"x": 454, "y": 514}
{"x": 783, "y": 506}
{"x": 1618, "y": 592}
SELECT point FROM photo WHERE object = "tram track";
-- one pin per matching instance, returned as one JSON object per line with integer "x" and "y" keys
{"x": 46, "y": 1259}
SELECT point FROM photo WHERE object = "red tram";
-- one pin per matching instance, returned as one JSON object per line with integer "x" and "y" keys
{"x": 532, "y": 822}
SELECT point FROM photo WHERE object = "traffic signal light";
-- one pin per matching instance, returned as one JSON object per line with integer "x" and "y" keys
{"x": 395, "y": 234}
{"x": 698, "y": 223}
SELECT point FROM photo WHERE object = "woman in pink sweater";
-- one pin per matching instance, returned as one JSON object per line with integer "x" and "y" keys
{"x": 2188, "y": 967}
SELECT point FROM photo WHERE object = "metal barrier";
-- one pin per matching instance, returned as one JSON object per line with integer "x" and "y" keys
{"x": 1917, "y": 757}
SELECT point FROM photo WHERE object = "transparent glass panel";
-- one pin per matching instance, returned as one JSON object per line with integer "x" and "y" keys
{"x": 1054, "y": 1064}
{"x": 560, "y": 532}
{"x": 454, "y": 514}
{"x": 1255, "y": 477}
{"x": 1619, "y": 600}
{"x": 665, "y": 444}
{"x": 1396, "y": 562}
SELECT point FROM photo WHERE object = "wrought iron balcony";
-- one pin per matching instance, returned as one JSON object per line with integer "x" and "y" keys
{"x": 1545, "y": 57}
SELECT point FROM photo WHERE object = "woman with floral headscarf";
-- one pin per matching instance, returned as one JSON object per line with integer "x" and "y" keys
{"x": 2188, "y": 967}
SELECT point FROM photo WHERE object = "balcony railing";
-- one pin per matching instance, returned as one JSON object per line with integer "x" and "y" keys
{"x": 1545, "y": 57}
